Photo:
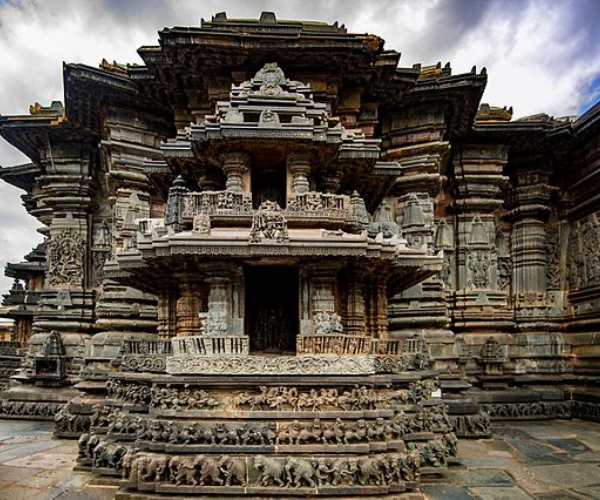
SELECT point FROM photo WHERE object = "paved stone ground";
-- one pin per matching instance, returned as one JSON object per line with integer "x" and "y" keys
{"x": 551, "y": 460}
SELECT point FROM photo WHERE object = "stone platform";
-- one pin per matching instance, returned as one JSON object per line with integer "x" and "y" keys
{"x": 551, "y": 460}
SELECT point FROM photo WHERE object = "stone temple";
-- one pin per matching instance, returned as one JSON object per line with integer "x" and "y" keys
{"x": 279, "y": 264}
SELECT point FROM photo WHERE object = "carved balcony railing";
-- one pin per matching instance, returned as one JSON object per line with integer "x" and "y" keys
{"x": 216, "y": 204}
{"x": 226, "y": 207}
{"x": 210, "y": 346}
{"x": 146, "y": 355}
{"x": 143, "y": 347}
{"x": 387, "y": 347}
{"x": 333, "y": 344}
{"x": 319, "y": 207}
{"x": 414, "y": 345}
{"x": 351, "y": 345}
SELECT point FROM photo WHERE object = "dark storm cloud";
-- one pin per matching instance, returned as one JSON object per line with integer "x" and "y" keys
{"x": 447, "y": 24}
{"x": 541, "y": 55}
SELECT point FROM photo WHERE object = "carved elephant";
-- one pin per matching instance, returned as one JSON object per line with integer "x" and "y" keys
{"x": 82, "y": 443}
{"x": 155, "y": 469}
{"x": 209, "y": 470}
{"x": 272, "y": 471}
{"x": 183, "y": 469}
{"x": 108, "y": 455}
{"x": 370, "y": 471}
{"x": 234, "y": 470}
{"x": 300, "y": 471}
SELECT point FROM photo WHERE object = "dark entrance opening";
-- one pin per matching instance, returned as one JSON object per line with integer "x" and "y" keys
{"x": 272, "y": 309}
{"x": 268, "y": 184}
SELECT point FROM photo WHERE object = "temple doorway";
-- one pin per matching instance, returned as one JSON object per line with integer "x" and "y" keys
{"x": 268, "y": 184}
{"x": 272, "y": 309}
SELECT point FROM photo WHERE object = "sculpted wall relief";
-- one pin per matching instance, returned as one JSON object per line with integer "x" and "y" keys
{"x": 66, "y": 256}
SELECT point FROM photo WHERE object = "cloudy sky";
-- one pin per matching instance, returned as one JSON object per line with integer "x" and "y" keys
{"x": 541, "y": 55}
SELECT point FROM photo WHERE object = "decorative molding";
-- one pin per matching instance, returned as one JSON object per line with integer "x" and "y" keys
{"x": 281, "y": 365}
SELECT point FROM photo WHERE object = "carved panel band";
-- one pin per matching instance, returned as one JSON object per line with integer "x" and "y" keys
{"x": 283, "y": 365}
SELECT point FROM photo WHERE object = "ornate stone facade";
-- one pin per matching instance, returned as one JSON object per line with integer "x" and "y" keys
{"x": 253, "y": 229}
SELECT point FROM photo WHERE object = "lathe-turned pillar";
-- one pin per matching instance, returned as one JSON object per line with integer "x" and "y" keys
{"x": 235, "y": 165}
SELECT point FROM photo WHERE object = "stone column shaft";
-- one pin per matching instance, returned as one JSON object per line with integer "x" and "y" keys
{"x": 356, "y": 316}
{"x": 219, "y": 303}
{"x": 299, "y": 167}
{"x": 189, "y": 305}
{"x": 234, "y": 166}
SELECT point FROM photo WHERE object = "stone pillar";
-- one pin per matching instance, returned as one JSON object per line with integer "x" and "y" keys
{"x": 530, "y": 208}
{"x": 481, "y": 306}
{"x": 167, "y": 314}
{"x": 376, "y": 303}
{"x": 189, "y": 305}
{"x": 420, "y": 205}
{"x": 218, "y": 321}
{"x": 234, "y": 166}
{"x": 238, "y": 302}
{"x": 356, "y": 316}
{"x": 381, "y": 309}
{"x": 306, "y": 326}
{"x": 330, "y": 180}
{"x": 537, "y": 309}
{"x": 299, "y": 168}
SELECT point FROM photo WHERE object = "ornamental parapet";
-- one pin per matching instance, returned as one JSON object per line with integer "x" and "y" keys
{"x": 341, "y": 344}
{"x": 226, "y": 207}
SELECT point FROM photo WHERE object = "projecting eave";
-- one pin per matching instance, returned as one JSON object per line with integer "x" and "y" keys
{"x": 460, "y": 94}
{"x": 21, "y": 176}
{"x": 589, "y": 122}
{"x": 521, "y": 135}
{"x": 23, "y": 270}
{"x": 29, "y": 133}
{"x": 156, "y": 257}
{"x": 197, "y": 57}
{"x": 89, "y": 90}
{"x": 241, "y": 36}
{"x": 43, "y": 127}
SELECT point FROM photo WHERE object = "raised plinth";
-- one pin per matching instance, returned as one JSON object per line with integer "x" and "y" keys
{"x": 266, "y": 435}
